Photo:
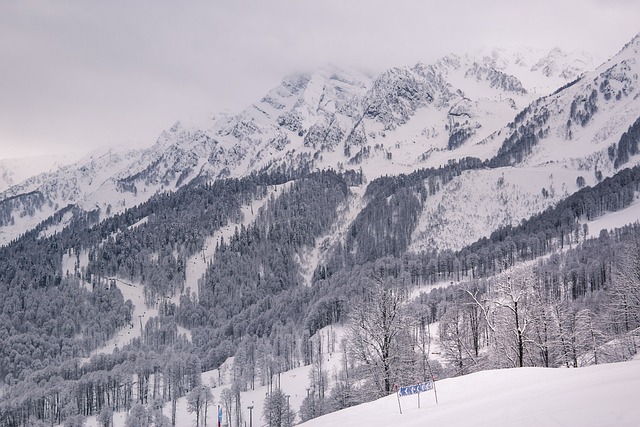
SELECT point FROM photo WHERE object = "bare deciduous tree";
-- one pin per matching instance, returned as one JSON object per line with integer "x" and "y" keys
{"x": 376, "y": 324}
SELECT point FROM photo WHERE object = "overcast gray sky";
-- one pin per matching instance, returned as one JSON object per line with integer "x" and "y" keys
{"x": 78, "y": 75}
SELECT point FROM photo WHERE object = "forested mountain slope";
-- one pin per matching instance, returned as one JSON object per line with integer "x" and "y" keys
{"x": 252, "y": 298}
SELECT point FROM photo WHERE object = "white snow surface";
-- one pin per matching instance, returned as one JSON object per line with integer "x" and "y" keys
{"x": 478, "y": 202}
{"x": 594, "y": 396}
{"x": 614, "y": 220}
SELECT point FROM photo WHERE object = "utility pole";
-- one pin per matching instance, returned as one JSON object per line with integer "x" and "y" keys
{"x": 288, "y": 411}
{"x": 250, "y": 408}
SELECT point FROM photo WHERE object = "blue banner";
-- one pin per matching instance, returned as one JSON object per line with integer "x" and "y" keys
{"x": 414, "y": 389}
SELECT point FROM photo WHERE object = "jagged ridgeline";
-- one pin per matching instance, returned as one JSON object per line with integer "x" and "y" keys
{"x": 312, "y": 246}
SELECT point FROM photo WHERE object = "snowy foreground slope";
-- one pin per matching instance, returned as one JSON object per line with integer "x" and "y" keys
{"x": 603, "y": 395}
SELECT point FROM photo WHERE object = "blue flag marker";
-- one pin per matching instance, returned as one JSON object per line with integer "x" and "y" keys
{"x": 414, "y": 389}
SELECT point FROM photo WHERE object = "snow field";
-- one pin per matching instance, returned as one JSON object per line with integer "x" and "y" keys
{"x": 312, "y": 257}
{"x": 478, "y": 202}
{"x": 594, "y": 396}
{"x": 614, "y": 220}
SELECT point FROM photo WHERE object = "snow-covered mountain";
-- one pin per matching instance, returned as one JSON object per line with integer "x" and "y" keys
{"x": 15, "y": 170}
{"x": 554, "y": 146}
{"x": 401, "y": 120}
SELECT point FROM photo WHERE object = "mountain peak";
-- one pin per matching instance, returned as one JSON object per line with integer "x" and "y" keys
{"x": 633, "y": 46}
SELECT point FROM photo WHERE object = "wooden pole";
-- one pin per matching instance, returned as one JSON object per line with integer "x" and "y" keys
{"x": 435, "y": 392}
{"x": 398, "y": 396}
{"x": 433, "y": 381}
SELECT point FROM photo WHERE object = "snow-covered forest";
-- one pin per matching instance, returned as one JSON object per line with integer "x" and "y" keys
{"x": 540, "y": 294}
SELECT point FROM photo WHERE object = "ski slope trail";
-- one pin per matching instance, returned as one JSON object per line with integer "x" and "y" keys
{"x": 594, "y": 396}
{"x": 197, "y": 264}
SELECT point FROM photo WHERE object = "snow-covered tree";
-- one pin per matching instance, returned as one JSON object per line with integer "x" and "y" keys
{"x": 277, "y": 411}
{"x": 198, "y": 400}
{"x": 139, "y": 416}
{"x": 589, "y": 337}
{"x": 105, "y": 418}
{"x": 453, "y": 338}
{"x": 507, "y": 312}
{"x": 375, "y": 327}
{"x": 624, "y": 293}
